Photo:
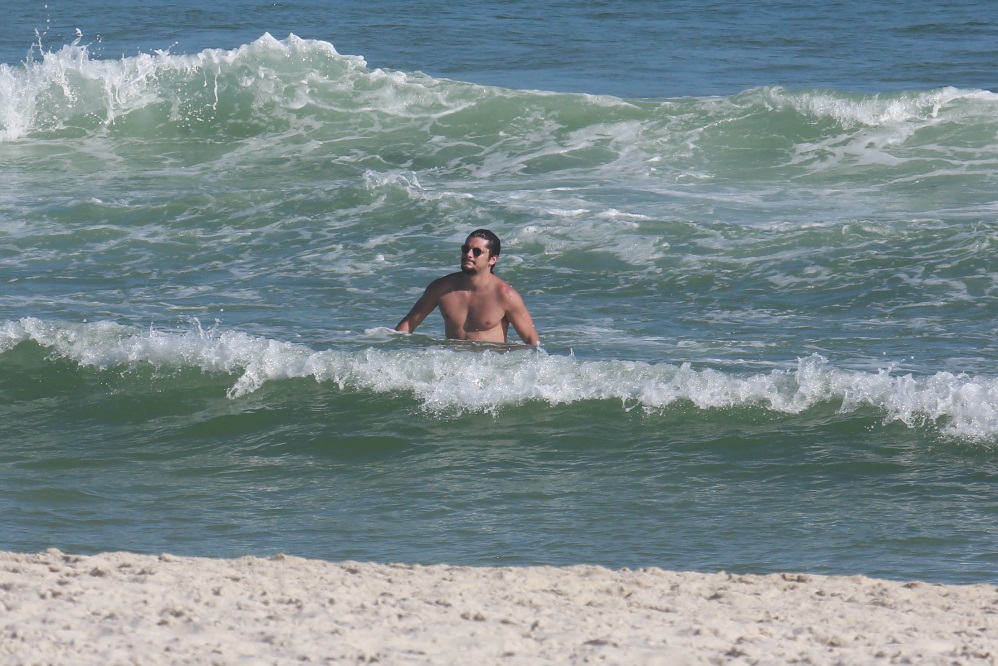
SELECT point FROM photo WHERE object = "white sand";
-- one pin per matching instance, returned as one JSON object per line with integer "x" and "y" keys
{"x": 121, "y": 608}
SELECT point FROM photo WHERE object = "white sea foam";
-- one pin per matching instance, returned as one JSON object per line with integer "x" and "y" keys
{"x": 889, "y": 130}
{"x": 879, "y": 110}
{"x": 67, "y": 85}
{"x": 446, "y": 380}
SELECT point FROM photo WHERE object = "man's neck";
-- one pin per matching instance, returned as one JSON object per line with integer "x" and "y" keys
{"x": 476, "y": 280}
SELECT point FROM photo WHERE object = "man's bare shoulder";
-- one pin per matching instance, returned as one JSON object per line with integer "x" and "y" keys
{"x": 506, "y": 290}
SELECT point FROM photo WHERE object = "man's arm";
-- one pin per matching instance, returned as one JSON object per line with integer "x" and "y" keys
{"x": 423, "y": 307}
{"x": 519, "y": 317}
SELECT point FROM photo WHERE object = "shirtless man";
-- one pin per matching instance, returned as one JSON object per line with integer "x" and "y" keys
{"x": 475, "y": 304}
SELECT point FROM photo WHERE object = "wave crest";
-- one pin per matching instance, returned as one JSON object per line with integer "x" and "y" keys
{"x": 445, "y": 380}
{"x": 67, "y": 90}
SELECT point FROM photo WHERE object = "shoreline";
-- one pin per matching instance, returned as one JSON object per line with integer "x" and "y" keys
{"x": 121, "y": 608}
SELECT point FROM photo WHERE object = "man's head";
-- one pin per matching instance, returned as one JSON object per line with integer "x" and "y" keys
{"x": 487, "y": 242}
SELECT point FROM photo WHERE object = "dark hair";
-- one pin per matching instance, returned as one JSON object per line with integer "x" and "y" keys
{"x": 491, "y": 241}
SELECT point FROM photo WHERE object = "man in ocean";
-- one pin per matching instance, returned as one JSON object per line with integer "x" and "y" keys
{"x": 475, "y": 303}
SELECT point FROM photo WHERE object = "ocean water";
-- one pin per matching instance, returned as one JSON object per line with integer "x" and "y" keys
{"x": 758, "y": 242}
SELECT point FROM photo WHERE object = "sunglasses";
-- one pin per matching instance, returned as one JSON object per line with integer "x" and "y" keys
{"x": 476, "y": 251}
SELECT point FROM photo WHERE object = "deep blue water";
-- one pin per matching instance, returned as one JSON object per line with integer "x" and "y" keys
{"x": 638, "y": 48}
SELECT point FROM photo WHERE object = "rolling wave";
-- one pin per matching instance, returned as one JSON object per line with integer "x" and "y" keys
{"x": 296, "y": 118}
{"x": 448, "y": 380}
{"x": 271, "y": 85}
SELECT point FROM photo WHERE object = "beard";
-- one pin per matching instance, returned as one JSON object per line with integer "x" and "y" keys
{"x": 467, "y": 270}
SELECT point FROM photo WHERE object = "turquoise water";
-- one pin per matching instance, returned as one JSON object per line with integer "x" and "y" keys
{"x": 761, "y": 264}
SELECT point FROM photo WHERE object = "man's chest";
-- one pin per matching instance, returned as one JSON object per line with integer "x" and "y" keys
{"x": 474, "y": 309}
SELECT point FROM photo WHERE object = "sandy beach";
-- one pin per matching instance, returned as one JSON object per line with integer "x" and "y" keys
{"x": 122, "y": 608}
